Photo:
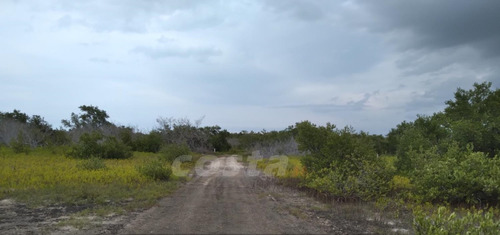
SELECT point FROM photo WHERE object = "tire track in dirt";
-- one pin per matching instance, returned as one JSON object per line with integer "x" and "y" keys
{"x": 225, "y": 200}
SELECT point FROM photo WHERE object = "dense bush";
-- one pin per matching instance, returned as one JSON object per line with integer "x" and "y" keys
{"x": 218, "y": 139}
{"x": 59, "y": 137}
{"x": 329, "y": 147}
{"x": 443, "y": 221}
{"x": 456, "y": 177}
{"x": 375, "y": 179}
{"x": 343, "y": 163}
{"x": 157, "y": 170}
{"x": 371, "y": 182}
{"x": 113, "y": 148}
{"x": 170, "y": 152}
{"x": 148, "y": 142}
{"x": 87, "y": 146}
{"x": 98, "y": 146}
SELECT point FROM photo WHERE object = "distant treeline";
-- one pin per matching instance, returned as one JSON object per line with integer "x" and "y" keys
{"x": 23, "y": 132}
{"x": 471, "y": 119}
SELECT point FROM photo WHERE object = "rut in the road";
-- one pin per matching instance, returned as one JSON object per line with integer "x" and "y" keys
{"x": 222, "y": 201}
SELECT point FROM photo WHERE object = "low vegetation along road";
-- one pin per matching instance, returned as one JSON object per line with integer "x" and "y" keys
{"x": 225, "y": 199}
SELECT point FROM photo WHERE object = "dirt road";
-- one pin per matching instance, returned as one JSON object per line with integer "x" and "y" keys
{"x": 223, "y": 200}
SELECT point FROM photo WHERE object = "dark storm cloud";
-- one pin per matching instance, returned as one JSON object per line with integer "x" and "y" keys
{"x": 244, "y": 64}
{"x": 310, "y": 36}
{"x": 439, "y": 24}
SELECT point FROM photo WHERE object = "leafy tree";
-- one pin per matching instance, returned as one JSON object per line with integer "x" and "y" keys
{"x": 35, "y": 130}
{"x": 312, "y": 138}
{"x": 474, "y": 117}
{"x": 394, "y": 136}
{"x": 424, "y": 133}
{"x": 15, "y": 115}
{"x": 90, "y": 116}
{"x": 380, "y": 144}
{"x": 218, "y": 138}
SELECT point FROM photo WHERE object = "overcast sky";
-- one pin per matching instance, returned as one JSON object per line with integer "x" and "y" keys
{"x": 245, "y": 65}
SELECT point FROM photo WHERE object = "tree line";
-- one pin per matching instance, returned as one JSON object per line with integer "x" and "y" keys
{"x": 450, "y": 156}
{"x": 92, "y": 125}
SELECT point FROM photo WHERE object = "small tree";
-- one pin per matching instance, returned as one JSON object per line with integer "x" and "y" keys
{"x": 90, "y": 116}
{"x": 218, "y": 138}
{"x": 474, "y": 117}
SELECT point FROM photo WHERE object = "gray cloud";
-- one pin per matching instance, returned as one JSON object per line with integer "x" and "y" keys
{"x": 245, "y": 64}
{"x": 439, "y": 24}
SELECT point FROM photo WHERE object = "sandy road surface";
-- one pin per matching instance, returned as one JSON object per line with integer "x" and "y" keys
{"x": 223, "y": 200}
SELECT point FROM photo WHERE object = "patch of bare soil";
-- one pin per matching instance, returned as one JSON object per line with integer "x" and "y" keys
{"x": 18, "y": 218}
{"x": 333, "y": 217}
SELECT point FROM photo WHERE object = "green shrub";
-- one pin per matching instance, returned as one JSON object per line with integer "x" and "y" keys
{"x": 457, "y": 177}
{"x": 371, "y": 182}
{"x": 92, "y": 164}
{"x": 157, "y": 170}
{"x": 87, "y": 146}
{"x": 95, "y": 145}
{"x": 112, "y": 148}
{"x": 148, "y": 142}
{"x": 170, "y": 152}
{"x": 443, "y": 221}
{"x": 374, "y": 179}
{"x": 218, "y": 140}
{"x": 59, "y": 137}
{"x": 343, "y": 163}
{"x": 334, "y": 182}
{"x": 400, "y": 183}
{"x": 18, "y": 145}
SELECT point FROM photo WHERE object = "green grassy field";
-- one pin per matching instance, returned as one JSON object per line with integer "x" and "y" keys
{"x": 46, "y": 176}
